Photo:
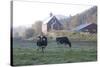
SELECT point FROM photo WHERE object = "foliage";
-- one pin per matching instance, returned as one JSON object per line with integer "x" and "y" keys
{"x": 88, "y": 16}
{"x": 29, "y": 33}
{"x": 38, "y": 27}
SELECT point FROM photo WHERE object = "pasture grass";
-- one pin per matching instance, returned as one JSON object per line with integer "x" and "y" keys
{"x": 30, "y": 56}
{"x": 84, "y": 49}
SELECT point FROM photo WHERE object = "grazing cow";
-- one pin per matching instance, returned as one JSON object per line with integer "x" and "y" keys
{"x": 42, "y": 42}
{"x": 63, "y": 40}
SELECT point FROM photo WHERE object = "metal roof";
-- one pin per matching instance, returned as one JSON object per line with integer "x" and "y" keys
{"x": 60, "y": 18}
{"x": 81, "y": 26}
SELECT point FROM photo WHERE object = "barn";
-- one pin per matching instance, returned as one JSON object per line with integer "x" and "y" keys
{"x": 87, "y": 27}
{"x": 54, "y": 22}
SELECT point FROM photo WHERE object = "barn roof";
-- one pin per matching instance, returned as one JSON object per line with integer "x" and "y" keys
{"x": 78, "y": 28}
{"x": 60, "y": 18}
{"x": 47, "y": 20}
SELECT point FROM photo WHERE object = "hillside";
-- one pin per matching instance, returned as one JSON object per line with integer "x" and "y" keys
{"x": 88, "y": 16}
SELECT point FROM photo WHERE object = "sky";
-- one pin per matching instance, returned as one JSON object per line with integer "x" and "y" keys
{"x": 25, "y": 13}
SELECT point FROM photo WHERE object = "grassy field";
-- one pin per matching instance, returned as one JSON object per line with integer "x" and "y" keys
{"x": 25, "y": 53}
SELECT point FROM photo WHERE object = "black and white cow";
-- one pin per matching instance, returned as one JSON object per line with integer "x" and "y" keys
{"x": 63, "y": 40}
{"x": 42, "y": 42}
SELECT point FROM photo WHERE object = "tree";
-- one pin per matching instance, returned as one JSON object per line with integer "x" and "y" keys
{"x": 37, "y": 27}
{"x": 29, "y": 33}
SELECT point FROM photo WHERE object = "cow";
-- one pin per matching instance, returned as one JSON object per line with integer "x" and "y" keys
{"x": 42, "y": 42}
{"x": 63, "y": 40}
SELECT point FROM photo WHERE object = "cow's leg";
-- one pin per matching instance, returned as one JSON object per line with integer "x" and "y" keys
{"x": 69, "y": 44}
{"x": 65, "y": 45}
{"x": 43, "y": 49}
{"x": 57, "y": 43}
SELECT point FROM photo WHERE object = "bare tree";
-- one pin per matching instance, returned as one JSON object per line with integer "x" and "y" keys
{"x": 37, "y": 27}
{"x": 29, "y": 33}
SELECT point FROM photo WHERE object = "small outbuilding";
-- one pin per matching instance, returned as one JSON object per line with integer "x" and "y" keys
{"x": 88, "y": 27}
